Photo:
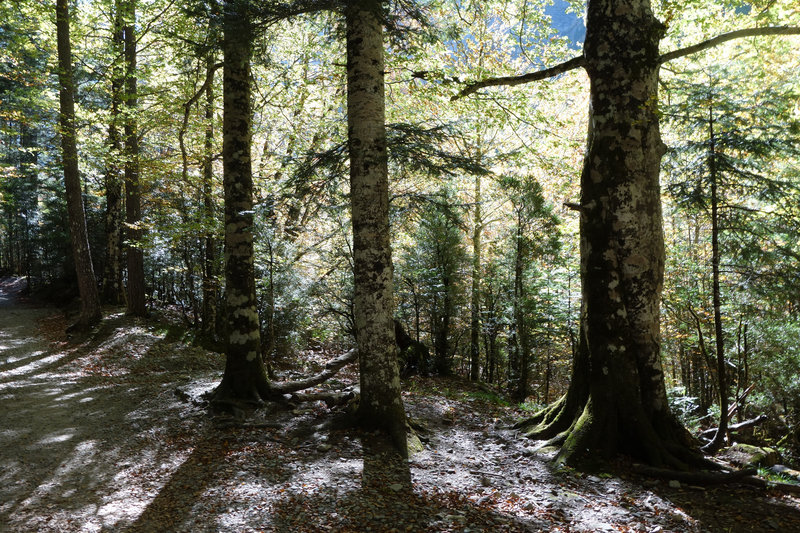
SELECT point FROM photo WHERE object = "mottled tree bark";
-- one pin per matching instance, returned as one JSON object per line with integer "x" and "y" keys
{"x": 622, "y": 244}
{"x": 245, "y": 379}
{"x": 113, "y": 289}
{"x": 617, "y": 399}
{"x": 381, "y": 405}
{"x": 90, "y": 312}
{"x": 133, "y": 208}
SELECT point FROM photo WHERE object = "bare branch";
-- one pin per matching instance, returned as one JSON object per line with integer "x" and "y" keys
{"x": 580, "y": 61}
{"x": 187, "y": 108}
{"x": 719, "y": 39}
{"x": 566, "y": 66}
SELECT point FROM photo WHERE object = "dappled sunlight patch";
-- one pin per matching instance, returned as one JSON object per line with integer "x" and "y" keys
{"x": 133, "y": 451}
{"x": 33, "y": 362}
{"x": 58, "y": 436}
{"x": 56, "y": 487}
{"x": 123, "y": 506}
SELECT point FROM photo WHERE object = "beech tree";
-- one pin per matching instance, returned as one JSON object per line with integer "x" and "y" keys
{"x": 617, "y": 400}
{"x": 288, "y": 212}
{"x": 90, "y": 312}
{"x": 245, "y": 378}
{"x": 373, "y": 303}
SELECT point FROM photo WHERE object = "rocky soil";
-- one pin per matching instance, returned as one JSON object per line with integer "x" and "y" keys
{"x": 107, "y": 433}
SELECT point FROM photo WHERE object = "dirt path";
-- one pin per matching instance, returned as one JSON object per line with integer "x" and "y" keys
{"x": 93, "y": 437}
{"x": 70, "y": 432}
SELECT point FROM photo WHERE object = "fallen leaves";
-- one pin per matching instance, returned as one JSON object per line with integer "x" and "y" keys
{"x": 162, "y": 465}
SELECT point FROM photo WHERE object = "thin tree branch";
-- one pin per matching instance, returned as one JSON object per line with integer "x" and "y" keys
{"x": 566, "y": 66}
{"x": 273, "y": 12}
{"x": 187, "y": 108}
{"x": 580, "y": 61}
{"x": 719, "y": 39}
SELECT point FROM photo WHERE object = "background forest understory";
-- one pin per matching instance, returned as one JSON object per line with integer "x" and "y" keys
{"x": 484, "y": 189}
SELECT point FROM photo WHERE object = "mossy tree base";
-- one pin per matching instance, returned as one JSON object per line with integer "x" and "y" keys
{"x": 617, "y": 402}
{"x": 596, "y": 430}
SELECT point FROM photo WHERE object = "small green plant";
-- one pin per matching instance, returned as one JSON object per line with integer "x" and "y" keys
{"x": 777, "y": 477}
{"x": 530, "y": 406}
{"x": 684, "y": 406}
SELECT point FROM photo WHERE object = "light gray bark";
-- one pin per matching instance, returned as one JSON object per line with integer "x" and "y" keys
{"x": 381, "y": 404}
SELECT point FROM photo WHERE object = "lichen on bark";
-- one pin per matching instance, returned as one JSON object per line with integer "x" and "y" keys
{"x": 245, "y": 378}
{"x": 381, "y": 405}
{"x": 617, "y": 399}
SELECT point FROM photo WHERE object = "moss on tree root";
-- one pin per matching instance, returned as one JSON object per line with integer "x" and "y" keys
{"x": 589, "y": 433}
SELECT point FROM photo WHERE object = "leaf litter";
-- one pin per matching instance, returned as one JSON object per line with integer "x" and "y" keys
{"x": 107, "y": 433}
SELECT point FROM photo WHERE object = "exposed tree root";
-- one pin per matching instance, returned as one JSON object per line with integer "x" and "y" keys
{"x": 591, "y": 433}
{"x": 551, "y": 423}
{"x": 331, "y": 399}
{"x": 331, "y": 368}
{"x": 543, "y": 417}
{"x": 733, "y": 428}
{"x": 694, "y": 477}
{"x": 241, "y": 395}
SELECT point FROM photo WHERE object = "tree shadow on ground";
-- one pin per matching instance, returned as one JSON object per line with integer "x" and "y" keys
{"x": 72, "y": 434}
{"x": 386, "y": 500}
{"x": 734, "y": 508}
{"x": 97, "y": 439}
{"x": 211, "y": 476}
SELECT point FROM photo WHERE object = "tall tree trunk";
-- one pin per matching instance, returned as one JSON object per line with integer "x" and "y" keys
{"x": 90, "y": 312}
{"x": 618, "y": 383}
{"x": 475, "y": 301}
{"x": 210, "y": 270}
{"x": 133, "y": 208}
{"x": 381, "y": 404}
{"x": 441, "y": 341}
{"x": 27, "y": 164}
{"x": 722, "y": 381}
{"x": 245, "y": 379}
{"x": 522, "y": 348}
{"x": 113, "y": 289}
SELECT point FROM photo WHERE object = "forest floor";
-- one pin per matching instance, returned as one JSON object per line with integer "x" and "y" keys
{"x": 106, "y": 433}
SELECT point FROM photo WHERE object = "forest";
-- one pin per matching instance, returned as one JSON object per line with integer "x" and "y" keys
{"x": 584, "y": 214}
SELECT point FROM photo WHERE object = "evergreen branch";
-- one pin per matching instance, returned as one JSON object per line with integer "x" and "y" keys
{"x": 510, "y": 81}
{"x": 725, "y": 37}
{"x": 272, "y": 12}
{"x": 410, "y": 147}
